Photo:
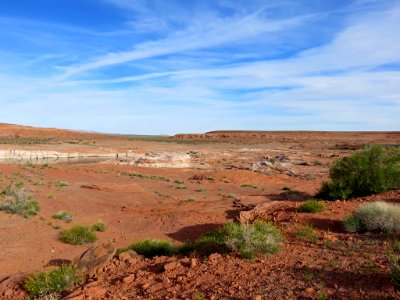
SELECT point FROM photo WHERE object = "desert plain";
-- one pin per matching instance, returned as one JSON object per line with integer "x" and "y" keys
{"x": 178, "y": 188}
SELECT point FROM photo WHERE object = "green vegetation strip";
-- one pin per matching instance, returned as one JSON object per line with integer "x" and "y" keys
{"x": 247, "y": 240}
{"x": 26, "y": 140}
{"x": 152, "y": 177}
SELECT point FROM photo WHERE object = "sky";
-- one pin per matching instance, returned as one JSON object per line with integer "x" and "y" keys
{"x": 178, "y": 66}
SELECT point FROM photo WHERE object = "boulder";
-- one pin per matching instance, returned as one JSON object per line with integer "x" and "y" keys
{"x": 257, "y": 212}
{"x": 94, "y": 259}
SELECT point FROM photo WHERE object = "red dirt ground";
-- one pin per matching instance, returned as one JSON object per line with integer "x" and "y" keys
{"x": 339, "y": 265}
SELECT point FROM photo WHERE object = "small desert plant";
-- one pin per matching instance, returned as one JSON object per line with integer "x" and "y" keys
{"x": 395, "y": 270}
{"x": 317, "y": 163}
{"x": 311, "y": 206}
{"x": 18, "y": 201}
{"x": 247, "y": 240}
{"x": 322, "y": 296}
{"x": 396, "y": 246}
{"x": 151, "y": 248}
{"x": 249, "y": 185}
{"x": 370, "y": 171}
{"x": 199, "y": 296}
{"x": 307, "y": 233}
{"x": 60, "y": 184}
{"x": 99, "y": 226}
{"x": 168, "y": 196}
{"x": 231, "y": 196}
{"x": 375, "y": 216}
{"x": 50, "y": 282}
{"x": 78, "y": 235}
{"x": 63, "y": 215}
{"x": 190, "y": 200}
{"x": 286, "y": 188}
{"x": 308, "y": 276}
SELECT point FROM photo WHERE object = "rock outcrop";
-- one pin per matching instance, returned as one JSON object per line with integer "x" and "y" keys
{"x": 94, "y": 259}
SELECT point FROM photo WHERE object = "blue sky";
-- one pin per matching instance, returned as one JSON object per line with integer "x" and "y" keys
{"x": 165, "y": 67}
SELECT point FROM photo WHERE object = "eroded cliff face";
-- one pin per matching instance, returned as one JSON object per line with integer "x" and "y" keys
{"x": 149, "y": 159}
{"x": 37, "y": 154}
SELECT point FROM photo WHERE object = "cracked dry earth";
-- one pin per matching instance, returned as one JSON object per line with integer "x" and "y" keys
{"x": 233, "y": 172}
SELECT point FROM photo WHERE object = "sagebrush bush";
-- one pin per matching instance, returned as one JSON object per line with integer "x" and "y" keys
{"x": 247, "y": 240}
{"x": 375, "y": 216}
{"x": 311, "y": 206}
{"x": 50, "y": 282}
{"x": 151, "y": 248}
{"x": 370, "y": 171}
{"x": 78, "y": 235}
{"x": 17, "y": 200}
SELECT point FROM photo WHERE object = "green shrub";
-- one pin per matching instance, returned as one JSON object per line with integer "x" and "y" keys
{"x": 187, "y": 248}
{"x": 99, "y": 226}
{"x": 370, "y": 171}
{"x": 63, "y": 215}
{"x": 307, "y": 233}
{"x": 49, "y": 282}
{"x": 151, "y": 248}
{"x": 375, "y": 216}
{"x": 311, "y": 206}
{"x": 18, "y": 201}
{"x": 78, "y": 235}
{"x": 352, "y": 224}
{"x": 247, "y": 240}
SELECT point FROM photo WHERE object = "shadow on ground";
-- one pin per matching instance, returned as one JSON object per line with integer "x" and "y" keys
{"x": 191, "y": 233}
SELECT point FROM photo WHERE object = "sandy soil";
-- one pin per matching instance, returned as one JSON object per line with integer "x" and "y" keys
{"x": 252, "y": 167}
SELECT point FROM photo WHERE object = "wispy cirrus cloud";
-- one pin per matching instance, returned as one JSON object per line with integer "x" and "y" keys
{"x": 201, "y": 35}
